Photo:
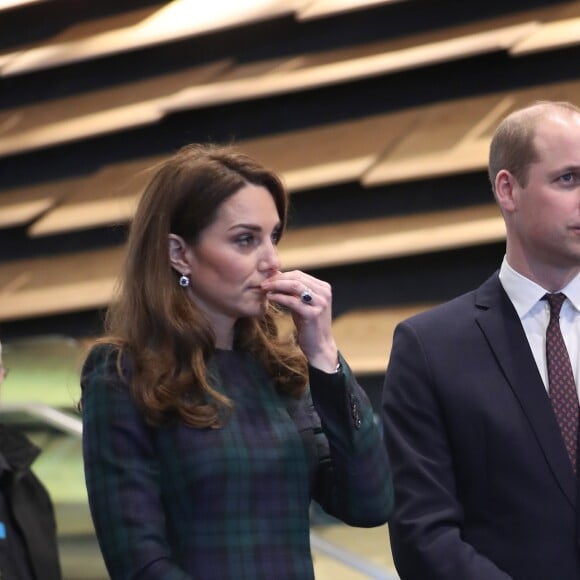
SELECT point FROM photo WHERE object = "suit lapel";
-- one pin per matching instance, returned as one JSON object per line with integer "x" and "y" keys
{"x": 501, "y": 325}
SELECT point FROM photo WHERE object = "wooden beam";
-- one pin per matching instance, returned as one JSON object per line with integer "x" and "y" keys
{"x": 391, "y": 237}
{"x": 365, "y": 336}
{"x": 170, "y": 23}
{"x": 325, "y": 8}
{"x": 106, "y": 198}
{"x": 550, "y": 36}
{"x": 58, "y": 284}
{"x": 454, "y": 137}
{"x": 21, "y": 205}
{"x": 99, "y": 112}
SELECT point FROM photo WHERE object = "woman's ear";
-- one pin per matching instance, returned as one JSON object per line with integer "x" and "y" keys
{"x": 178, "y": 254}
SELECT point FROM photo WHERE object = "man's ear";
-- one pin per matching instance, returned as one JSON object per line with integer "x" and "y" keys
{"x": 506, "y": 187}
{"x": 178, "y": 254}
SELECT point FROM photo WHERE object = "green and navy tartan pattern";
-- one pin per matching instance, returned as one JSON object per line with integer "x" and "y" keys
{"x": 232, "y": 503}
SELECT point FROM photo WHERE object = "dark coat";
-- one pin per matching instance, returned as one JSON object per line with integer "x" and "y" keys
{"x": 26, "y": 511}
{"x": 484, "y": 489}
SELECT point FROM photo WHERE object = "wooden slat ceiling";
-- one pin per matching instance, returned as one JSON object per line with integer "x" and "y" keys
{"x": 148, "y": 101}
{"x": 167, "y": 24}
{"x": 343, "y": 152}
{"x": 419, "y": 143}
{"x": 425, "y": 142}
{"x": 102, "y": 111}
{"x": 455, "y": 137}
{"x": 309, "y": 71}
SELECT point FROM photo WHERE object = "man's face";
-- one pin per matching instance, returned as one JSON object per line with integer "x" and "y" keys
{"x": 546, "y": 217}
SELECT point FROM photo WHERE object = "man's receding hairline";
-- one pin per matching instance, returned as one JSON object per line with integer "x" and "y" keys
{"x": 543, "y": 109}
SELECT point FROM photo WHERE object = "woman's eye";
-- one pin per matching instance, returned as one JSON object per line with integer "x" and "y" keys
{"x": 276, "y": 236}
{"x": 245, "y": 240}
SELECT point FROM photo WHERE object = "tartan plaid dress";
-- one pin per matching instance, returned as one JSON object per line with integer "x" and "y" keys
{"x": 177, "y": 502}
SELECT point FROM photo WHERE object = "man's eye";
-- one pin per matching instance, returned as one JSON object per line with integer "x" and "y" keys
{"x": 567, "y": 177}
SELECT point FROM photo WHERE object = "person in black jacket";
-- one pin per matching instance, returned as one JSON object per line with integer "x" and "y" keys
{"x": 28, "y": 544}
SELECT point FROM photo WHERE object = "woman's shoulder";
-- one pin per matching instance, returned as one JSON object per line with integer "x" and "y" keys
{"x": 105, "y": 360}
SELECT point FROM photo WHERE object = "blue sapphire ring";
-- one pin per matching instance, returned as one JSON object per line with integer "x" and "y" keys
{"x": 306, "y": 296}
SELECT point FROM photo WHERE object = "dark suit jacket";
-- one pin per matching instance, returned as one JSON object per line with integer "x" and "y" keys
{"x": 484, "y": 489}
{"x": 26, "y": 510}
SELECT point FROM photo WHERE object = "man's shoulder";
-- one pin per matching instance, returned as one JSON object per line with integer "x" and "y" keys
{"x": 455, "y": 309}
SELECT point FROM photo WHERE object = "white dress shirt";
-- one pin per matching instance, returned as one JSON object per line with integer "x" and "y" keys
{"x": 534, "y": 314}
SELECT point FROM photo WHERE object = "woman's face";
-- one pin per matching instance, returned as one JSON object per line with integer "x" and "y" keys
{"x": 234, "y": 255}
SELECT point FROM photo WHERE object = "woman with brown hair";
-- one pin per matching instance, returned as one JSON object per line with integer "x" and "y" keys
{"x": 206, "y": 435}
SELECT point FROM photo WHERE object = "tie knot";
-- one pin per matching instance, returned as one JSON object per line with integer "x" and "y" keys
{"x": 555, "y": 301}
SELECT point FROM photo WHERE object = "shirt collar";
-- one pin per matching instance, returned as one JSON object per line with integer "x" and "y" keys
{"x": 525, "y": 294}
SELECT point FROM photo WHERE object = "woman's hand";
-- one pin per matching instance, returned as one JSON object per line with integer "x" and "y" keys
{"x": 310, "y": 302}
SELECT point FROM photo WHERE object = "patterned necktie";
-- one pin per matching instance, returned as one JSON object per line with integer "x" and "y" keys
{"x": 562, "y": 387}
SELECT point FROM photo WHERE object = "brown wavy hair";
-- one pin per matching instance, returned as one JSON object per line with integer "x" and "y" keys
{"x": 166, "y": 336}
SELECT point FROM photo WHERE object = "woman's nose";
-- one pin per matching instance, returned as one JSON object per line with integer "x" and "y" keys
{"x": 270, "y": 260}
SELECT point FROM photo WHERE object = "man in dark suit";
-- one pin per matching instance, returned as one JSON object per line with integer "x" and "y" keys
{"x": 483, "y": 443}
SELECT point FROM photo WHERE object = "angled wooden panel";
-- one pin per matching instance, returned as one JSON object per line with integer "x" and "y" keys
{"x": 439, "y": 44}
{"x": 82, "y": 30}
{"x": 87, "y": 30}
{"x": 95, "y": 113}
{"x": 328, "y": 154}
{"x": 391, "y": 237}
{"x": 365, "y": 336}
{"x": 170, "y": 23}
{"x": 318, "y": 156}
{"x": 560, "y": 31}
{"x": 108, "y": 197}
{"x": 56, "y": 285}
{"x": 448, "y": 145}
{"x": 312, "y": 71}
{"x": 435, "y": 145}
{"x": 10, "y": 4}
{"x": 324, "y": 8}
{"x": 566, "y": 91}
{"x": 308, "y": 71}
{"x": 146, "y": 102}
{"x": 20, "y": 206}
